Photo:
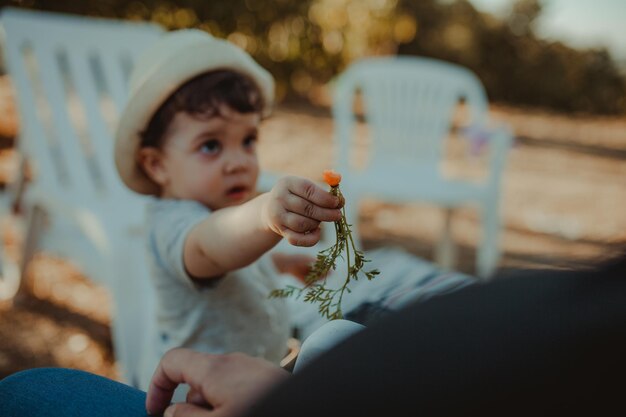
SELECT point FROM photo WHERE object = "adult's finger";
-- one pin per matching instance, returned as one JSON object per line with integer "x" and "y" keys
{"x": 196, "y": 397}
{"x": 176, "y": 366}
{"x": 187, "y": 410}
{"x": 228, "y": 382}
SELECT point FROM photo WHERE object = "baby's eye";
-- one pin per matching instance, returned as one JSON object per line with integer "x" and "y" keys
{"x": 249, "y": 141}
{"x": 211, "y": 147}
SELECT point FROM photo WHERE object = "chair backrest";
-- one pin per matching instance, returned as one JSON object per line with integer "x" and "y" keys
{"x": 71, "y": 75}
{"x": 408, "y": 103}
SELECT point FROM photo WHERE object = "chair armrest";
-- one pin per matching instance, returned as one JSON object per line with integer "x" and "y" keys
{"x": 500, "y": 140}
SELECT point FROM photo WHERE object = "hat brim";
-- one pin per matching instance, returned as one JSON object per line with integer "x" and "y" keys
{"x": 157, "y": 86}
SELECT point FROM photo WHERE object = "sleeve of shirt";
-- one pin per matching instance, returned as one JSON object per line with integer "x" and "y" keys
{"x": 169, "y": 223}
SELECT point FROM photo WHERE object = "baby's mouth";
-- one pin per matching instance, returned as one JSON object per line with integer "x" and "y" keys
{"x": 237, "y": 191}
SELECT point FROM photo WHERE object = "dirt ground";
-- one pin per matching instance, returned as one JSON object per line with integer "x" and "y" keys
{"x": 563, "y": 198}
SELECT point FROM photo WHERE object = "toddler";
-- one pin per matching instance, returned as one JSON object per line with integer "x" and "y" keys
{"x": 187, "y": 137}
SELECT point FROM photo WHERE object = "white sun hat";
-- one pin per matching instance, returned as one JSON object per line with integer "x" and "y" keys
{"x": 175, "y": 58}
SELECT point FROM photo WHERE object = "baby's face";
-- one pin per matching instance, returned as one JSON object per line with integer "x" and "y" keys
{"x": 212, "y": 161}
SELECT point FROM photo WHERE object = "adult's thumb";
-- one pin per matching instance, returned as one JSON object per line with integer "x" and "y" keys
{"x": 186, "y": 410}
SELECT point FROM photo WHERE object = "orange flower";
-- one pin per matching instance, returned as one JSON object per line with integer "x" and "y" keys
{"x": 332, "y": 178}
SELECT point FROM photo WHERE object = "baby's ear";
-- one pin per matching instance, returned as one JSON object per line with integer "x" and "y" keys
{"x": 151, "y": 161}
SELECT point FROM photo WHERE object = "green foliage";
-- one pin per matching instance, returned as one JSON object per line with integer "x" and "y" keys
{"x": 306, "y": 43}
{"x": 516, "y": 66}
{"x": 315, "y": 290}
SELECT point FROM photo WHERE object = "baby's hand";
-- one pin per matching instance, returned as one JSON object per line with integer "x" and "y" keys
{"x": 296, "y": 206}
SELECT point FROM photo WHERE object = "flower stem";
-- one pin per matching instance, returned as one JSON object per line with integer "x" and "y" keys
{"x": 315, "y": 282}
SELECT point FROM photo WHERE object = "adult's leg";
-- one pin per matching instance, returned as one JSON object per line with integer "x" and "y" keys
{"x": 547, "y": 343}
{"x": 60, "y": 392}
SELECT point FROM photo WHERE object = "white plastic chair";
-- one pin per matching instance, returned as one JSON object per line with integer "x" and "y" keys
{"x": 408, "y": 107}
{"x": 70, "y": 76}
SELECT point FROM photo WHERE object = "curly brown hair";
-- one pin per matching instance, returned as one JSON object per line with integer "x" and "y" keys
{"x": 202, "y": 96}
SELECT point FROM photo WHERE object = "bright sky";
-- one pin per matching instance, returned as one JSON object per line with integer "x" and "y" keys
{"x": 577, "y": 22}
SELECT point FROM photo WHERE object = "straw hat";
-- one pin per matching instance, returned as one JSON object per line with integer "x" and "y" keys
{"x": 174, "y": 59}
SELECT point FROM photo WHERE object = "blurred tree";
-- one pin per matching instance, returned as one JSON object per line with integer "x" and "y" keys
{"x": 523, "y": 16}
{"x": 513, "y": 63}
{"x": 306, "y": 43}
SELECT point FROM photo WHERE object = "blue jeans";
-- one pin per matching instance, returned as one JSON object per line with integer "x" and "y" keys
{"x": 55, "y": 392}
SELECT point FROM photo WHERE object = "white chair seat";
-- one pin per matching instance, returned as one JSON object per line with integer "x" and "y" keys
{"x": 416, "y": 184}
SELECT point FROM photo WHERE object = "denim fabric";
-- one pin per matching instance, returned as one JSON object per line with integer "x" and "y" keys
{"x": 55, "y": 392}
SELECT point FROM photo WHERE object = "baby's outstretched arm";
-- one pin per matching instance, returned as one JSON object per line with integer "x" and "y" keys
{"x": 234, "y": 237}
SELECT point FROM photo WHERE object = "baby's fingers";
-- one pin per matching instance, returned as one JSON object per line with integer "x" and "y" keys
{"x": 309, "y": 238}
{"x": 298, "y": 223}
{"x": 303, "y": 207}
{"x": 311, "y": 192}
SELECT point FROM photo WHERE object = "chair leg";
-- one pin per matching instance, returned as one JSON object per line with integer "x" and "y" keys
{"x": 445, "y": 254}
{"x": 489, "y": 252}
{"x": 133, "y": 324}
{"x": 36, "y": 222}
{"x": 10, "y": 206}
{"x": 9, "y": 276}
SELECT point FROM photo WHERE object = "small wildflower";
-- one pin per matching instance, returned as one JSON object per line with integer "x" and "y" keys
{"x": 332, "y": 178}
{"x": 329, "y": 299}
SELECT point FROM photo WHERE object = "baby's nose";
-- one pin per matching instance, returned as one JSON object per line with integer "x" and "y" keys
{"x": 235, "y": 163}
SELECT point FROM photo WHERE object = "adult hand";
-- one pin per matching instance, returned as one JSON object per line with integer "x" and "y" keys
{"x": 296, "y": 206}
{"x": 221, "y": 385}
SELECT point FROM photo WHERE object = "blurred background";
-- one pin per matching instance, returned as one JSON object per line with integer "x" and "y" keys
{"x": 557, "y": 54}
{"x": 554, "y": 70}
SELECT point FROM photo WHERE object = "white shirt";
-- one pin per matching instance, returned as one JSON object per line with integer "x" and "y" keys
{"x": 228, "y": 314}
